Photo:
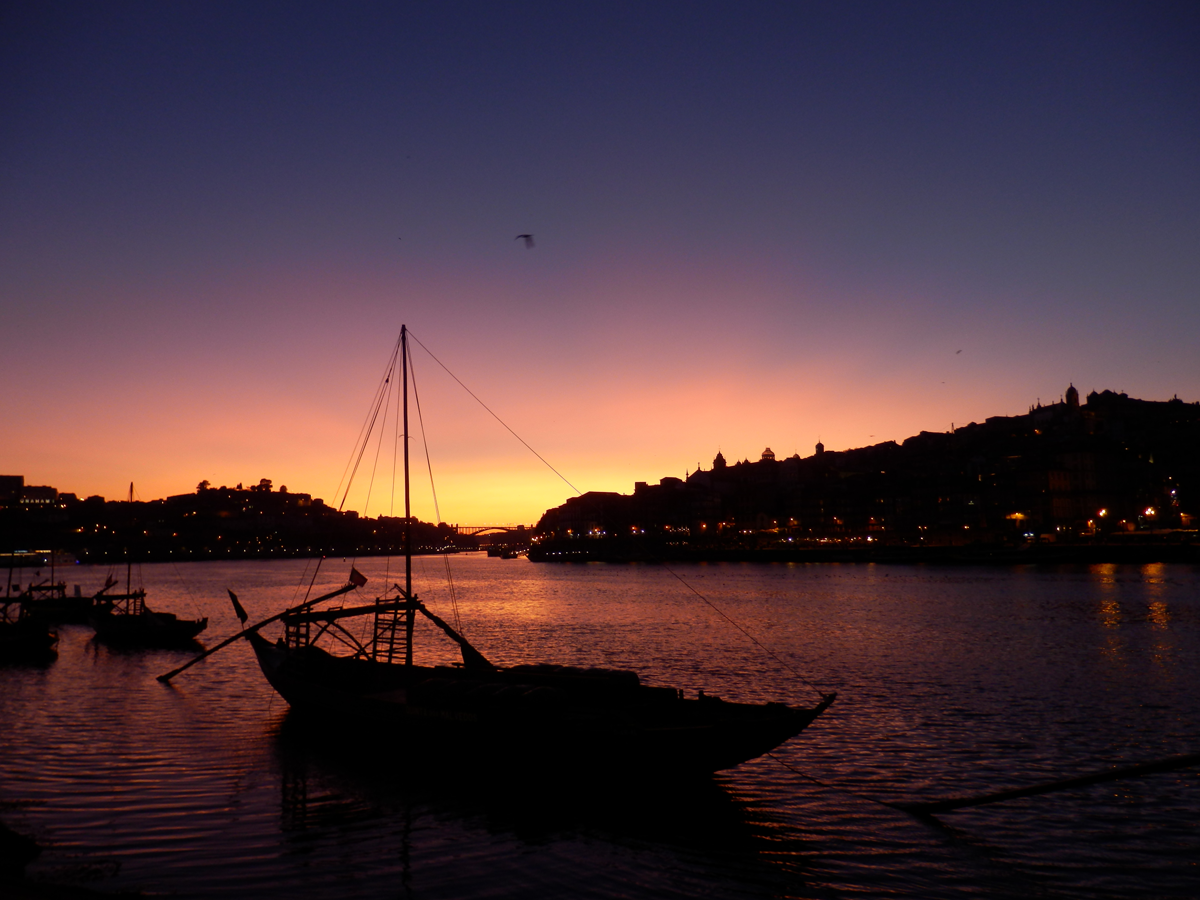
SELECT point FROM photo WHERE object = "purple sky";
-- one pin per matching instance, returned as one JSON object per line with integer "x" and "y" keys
{"x": 756, "y": 224}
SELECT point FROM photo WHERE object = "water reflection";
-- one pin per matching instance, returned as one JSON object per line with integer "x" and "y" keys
{"x": 952, "y": 682}
{"x": 1153, "y": 572}
{"x": 332, "y": 791}
{"x": 1110, "y": 612}
{"x": 1159, "y": 615}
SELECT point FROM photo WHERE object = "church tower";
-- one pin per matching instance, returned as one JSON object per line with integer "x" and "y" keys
{"x": 718, "y": 462}
{"x": 1072, "y": 397}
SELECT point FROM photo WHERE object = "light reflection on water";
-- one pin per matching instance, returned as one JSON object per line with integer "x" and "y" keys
{"x": 951, "y": 681}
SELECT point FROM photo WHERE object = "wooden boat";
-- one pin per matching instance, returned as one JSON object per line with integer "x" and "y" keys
{"x": 49, "y": 589}
{"x": 52, "y": 603}
{"x": 540, "y": 717}
{"x": 125, "y": 620}
{"x": 48, "y": 599}
{"x": 129, "y": 622}
{"x": 534, "y": 716}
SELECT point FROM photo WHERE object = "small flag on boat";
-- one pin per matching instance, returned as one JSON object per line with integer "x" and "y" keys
{"x": 357, "y": 578}
{"x": 238, "y": 609}
{"x": 109, "y": 581}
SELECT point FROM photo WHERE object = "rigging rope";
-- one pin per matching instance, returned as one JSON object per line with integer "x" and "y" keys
{"x": 674, "y": 574}
{"x": 369, "y": 425}
{"x": 364, "y": 434}
{"x": 300, "y": 584}
{"x": 751, "y": 637}
{"x": 193, "y": 602}
{"x": 378, "y": 403}
{"x": 375, "y": 463}
{"x": 494, "y": 416}
{"x": 382, "y": 404}
{"x": 396, "y": 438}
{"x": 433, "y": 489}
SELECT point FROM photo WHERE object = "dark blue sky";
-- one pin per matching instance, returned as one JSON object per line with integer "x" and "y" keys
{"x": 756, "y": 223}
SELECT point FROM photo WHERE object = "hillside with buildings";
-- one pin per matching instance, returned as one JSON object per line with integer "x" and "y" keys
{"x": 212, "y": 523}
{"x": 1107, "y": 479}
{"x": 1113, "y": 472}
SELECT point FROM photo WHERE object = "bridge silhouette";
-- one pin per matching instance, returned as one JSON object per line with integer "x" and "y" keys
{"x": 480, "y": 529}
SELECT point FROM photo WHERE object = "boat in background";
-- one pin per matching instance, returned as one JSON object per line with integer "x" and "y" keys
{"x": 48, "y": 590}
{"x": 48, "y": 599}
{"x": 504, "y": 551}
{"x": 124, "y": 619}
{"x": 52, "y": 603}
{"x": 128, "y": 622}
{"x": 538, "y": 717}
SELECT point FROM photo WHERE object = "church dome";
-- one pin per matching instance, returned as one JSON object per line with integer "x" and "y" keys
{"x": 1072, "y": 397}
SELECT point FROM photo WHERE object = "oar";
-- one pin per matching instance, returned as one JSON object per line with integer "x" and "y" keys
{"x": 1170, "y": 764}
{"x": 245, "y": 631}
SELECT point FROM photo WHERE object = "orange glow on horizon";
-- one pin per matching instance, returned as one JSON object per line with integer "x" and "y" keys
{"x": 605, "y": 414}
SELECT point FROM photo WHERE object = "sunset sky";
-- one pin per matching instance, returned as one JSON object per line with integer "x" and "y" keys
{"x": 756, "y": 224}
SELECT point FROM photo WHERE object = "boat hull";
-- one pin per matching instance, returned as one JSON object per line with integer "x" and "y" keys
{"x": 543, "y": 717}
{"x": 62, "y": 610}
{"x": 146, "y": 629}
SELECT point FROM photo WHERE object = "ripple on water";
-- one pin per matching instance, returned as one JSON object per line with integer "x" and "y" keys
{"x": 951, "y": 682}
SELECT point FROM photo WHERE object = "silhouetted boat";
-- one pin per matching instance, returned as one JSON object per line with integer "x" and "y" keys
{"x": 125, "y": 620}
{"x": 24, "y": 637}
{"x": 52, "y": 603}
{"x": 129, "y": 622}
{"x": 47, "y": 599}
{"x": 506, "y": 552}
{"x": 45, "y": 590}
{"x": 542, "y": 716}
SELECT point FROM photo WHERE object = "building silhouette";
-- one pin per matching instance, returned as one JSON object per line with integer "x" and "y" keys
{"x": 212, "y": 523}
{"x": 1065, "y": 472}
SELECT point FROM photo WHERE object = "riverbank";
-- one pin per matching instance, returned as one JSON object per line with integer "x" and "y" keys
{"x": 602, "y": 550}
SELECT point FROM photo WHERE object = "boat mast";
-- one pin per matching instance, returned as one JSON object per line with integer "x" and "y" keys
{"x": 410, "y": 617}
{"x": 128, "y": 555}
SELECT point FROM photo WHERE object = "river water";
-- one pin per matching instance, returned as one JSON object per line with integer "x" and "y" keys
{"x": 951, "y": 681}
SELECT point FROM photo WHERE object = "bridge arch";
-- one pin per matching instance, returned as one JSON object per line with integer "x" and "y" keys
{"x": 484, "y": 529}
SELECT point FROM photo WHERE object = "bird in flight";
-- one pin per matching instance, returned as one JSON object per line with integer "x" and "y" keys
{"x": 956, "y": 352}
{"x": 528, "y": 238}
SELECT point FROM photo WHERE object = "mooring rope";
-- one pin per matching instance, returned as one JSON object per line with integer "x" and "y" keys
{"x": 824, "y": 784}
{"x": 949, "y": 804}
{"x": 759, "y": 644}
{"x": 927, "y": 809}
